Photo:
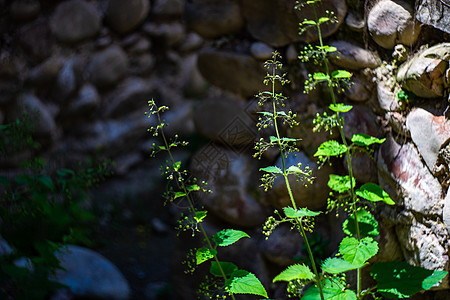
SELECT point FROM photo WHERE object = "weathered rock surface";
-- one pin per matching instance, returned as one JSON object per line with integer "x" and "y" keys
{"x": 89, "y": 274}
{"x": 353, "y": 57}
{"x": 360, "y": 90}
{"x": 226, "y": 121}
{"x": 108, "y": 66}
{"x": 387, "y": 97}
{"x": 360, "y": 120}
{"x": 86, "y": 102}
{"x": 424, "y": 74}
{"x": 239, "y": 73}
{"x": 283, "y": 246}
{"x": 229, "y": 175}
{"x": 313, "y": 196}
{"x": 261, "y": 51}
{"x": 276, "y": 22}
{"x": 402, "y": 174}
{"x": 392, "y": 22}
{"x": 213, "y": 18}
{"x": 124, "y": 16}
{"x": 364, "y": 167}
{"x": 435, "y": 13}
{"x": 25, "y": 10}
{"x": 74, "y": 21}
{"x": 429, "y": 133}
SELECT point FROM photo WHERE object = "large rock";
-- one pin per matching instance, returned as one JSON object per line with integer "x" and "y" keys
{"x": 230, "y": 176}
{"x": 74, "y": 21}
{"x": 36, "y": 40}
{"x": 24, "y": 10}
{"x": 108, "y": 66}
{"x": 226, "y": 121}
{"x": 213, "y": 18}
{"x": 239, "y": 73}
{"x": 424, "y": 74}
{"x": 429, "y": 133}
{"x": 132, "y": 93}
{"x": 283, "y": 246}
{"x": 435, "y": 13}
{"x": 424, "y": 244}
{"x": 313, "y": 196}
{"x": 359, "y": 120}
{"x": 124, "y": 16}
{"x": 85, "y": 103}
{"x": 408, "y": 181}
{"x": 276, "y": 22}
{"x": 89, "y": 274}
{"x": 392, "y": 22}
{"x": 353, "y": 57}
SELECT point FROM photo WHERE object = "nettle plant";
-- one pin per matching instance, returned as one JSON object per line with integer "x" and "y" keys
{"x": 225, "y": 279}
{"x": 328, "y": 281}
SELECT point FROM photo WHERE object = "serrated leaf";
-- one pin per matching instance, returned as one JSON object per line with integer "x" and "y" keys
{"x": 228, "y": 268}
{"x": 339, "y": 183}
{"x": 341, "y": 74}
{"x": 227, "y": 237}
{"x": 46, "y": 181}
{"x": 340, "y": 107}
{"x": 368, "y": 225}
{"x": 288, "y": 139}
{"x": 330, "y": 148}
{"x": 244, "y": 282}
{"x": 299, "y": 213}
{"x": 200, "y": 215}
{"x": 193, "y": 187}
{"x": 319, "y": 76}
{"x": 273, "y": 139}
{"x": 398, "y": 279}
{"x": 298, "y": 271}
{"x": 332, "y": 290}
{"x": 294, "y": 169}
{"x": 358, "y": 252}
{"x": 179, "y": 194}
{"x": 309, "y": 22}
{"x": 337, "y": 265}
{"x": 272, "y": 169}
{"x": 366, "y": 140}
{"x": 373, "y": 192}
{"x": 204, "y": 254}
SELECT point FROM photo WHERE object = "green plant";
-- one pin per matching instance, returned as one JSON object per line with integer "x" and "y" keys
{"x": 225, "y": 278}
{"x": 40, "y": 212}
{"x": 395, "y": 279}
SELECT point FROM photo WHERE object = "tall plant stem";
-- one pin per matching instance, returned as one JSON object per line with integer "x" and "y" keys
{"x": 182, "y": 185}
{"x": 344, "y": 141}
{"x": 291, "y": 196}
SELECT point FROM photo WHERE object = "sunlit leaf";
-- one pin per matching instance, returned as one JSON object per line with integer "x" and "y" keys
{"x": 200, "y": 215}
{"x": 298, "y": 271}
{"x": 358, "y": 252}
{"x": 179, "y": 194}
{"x": 341, "y": 74}
{"x": 373, "y": 192}
{"x": 330, "y": 148}
{"x": 339, "y": 183}
{"x": 299, "y": 213}
{"x": 272, "y": 169}
{"x": 227, "y": 267}
{"x": 340, "y": 107}
{"x": 227, "y": 237}
{"x": 332, "y": 290}
{"x": 204, "y": 254}
{"x": 244, "y": 282}
{"x": 337, "y": 265}
{"x": 366, "y": 140}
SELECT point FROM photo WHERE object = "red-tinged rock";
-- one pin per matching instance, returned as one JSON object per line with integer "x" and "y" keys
{"x": 429, "y": 133}
{"x": 360, "y": 120}
{"x": 408, "y": 181}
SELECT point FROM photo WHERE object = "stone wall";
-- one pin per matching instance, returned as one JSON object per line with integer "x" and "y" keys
{"x": 89, "y": 68}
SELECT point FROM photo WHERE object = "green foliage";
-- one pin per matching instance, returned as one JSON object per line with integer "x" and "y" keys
{"x": 367, "y": 224}
{"x": 293, "y": 272}
{"x": 358, "y": 252}
{"x": 332, "y": 290}
{"x": 337, "y": 265}
{"x": 40, "y": 213}
{"x": 374, "y": 193}
{"x": 228, "y": 237}
{"x": 397, "y": 279}
{"x": 244, "y": 282}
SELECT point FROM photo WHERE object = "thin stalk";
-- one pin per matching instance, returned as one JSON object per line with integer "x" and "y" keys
{"x": 291, "y": 196}
{"x": 191, "y": 205}
{"x": 349, "y": 162}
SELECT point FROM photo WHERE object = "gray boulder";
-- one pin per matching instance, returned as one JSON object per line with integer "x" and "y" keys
{"x": 108, "y": 66}
{"x": 124, "y": 16}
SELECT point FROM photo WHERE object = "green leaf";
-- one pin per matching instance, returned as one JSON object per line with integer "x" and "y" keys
{"x": 244, "y": 282}
{"x": 340, "y": 107}
{"x": 309, "y": 22}
{"x": 332, "y": 290}
{"x": 200, "y": 215}
{"x": 273, "y": 139}
{"x": 299, "y": 213}
{"x": 374, "y": 193}
{"x": 330, "y": 148}
{"x": 341, "y": 74}
{"x": 193, "y": 187}
{"x": 358, "y": 252}
{"x": 298, "y": 271}
{"x": 337, "y": 265}
{"x": 227, "y": 267}
{"x": 328, "y": 48}
{"x": 320, "y": 76}
{"x": 339, "y": 183}
{"x": 285, "y": 139}
{"x": 271, "y": 169}
{"x": 177, "y": 165}
{"x": 398, "y": 279}
{"x": 203, "y": 254}
{"x": 368, "y": 225}
{"x": 323, "y": 20}
{"x": 227, "y": 237}
{"x": 179, "y": 194}
{"x": 366, "y": 140}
